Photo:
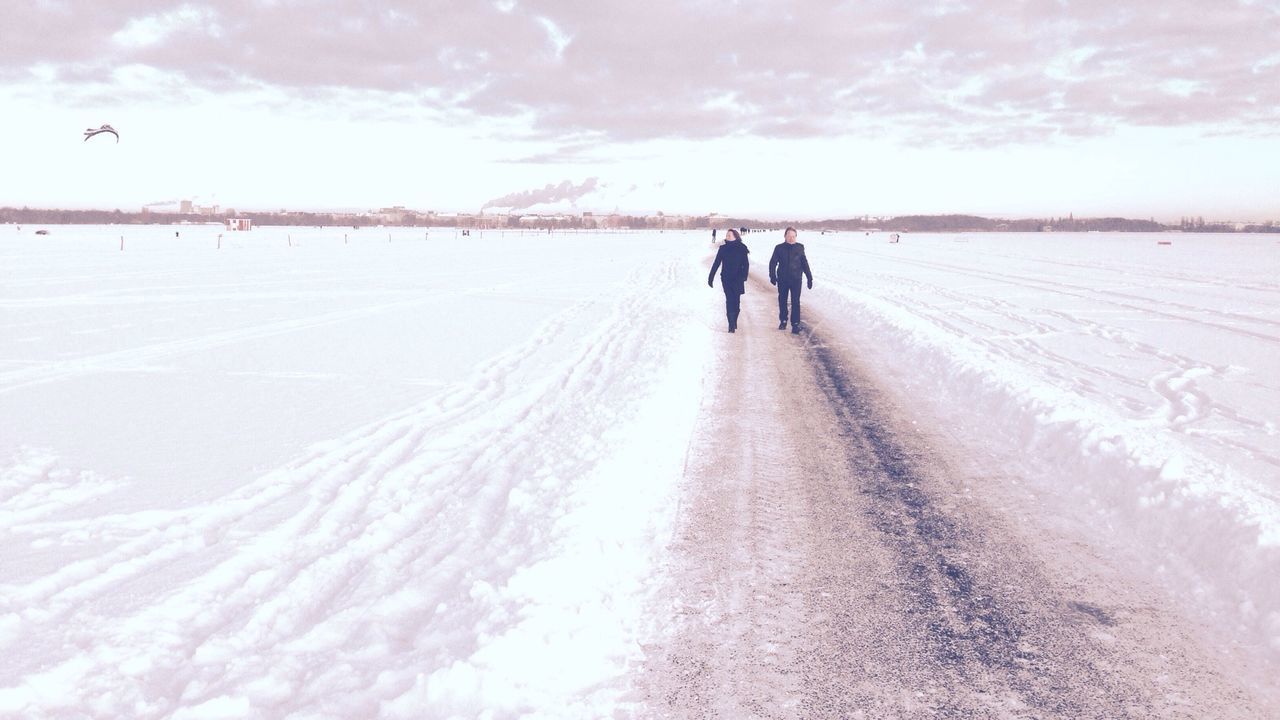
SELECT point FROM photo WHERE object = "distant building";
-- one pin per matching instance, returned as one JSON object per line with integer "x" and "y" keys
{"x": 542, "y": 221}
{"x": 393, "y": 215}
{"x": 239, "y": 224}
{"x": 184, "y": 207}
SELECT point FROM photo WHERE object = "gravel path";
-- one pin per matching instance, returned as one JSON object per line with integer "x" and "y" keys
{"x": 833, "y": 560}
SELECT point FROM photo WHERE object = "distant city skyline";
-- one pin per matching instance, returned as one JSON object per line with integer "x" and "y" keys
{"x": 1033, "y": 109}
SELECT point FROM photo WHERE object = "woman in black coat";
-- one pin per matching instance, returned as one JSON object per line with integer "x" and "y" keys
{"x": 732, "y": 261}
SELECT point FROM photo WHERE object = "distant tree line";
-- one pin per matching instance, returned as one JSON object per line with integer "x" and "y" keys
{"x": 1197, "y": 224}
{"x": 904, "y": 223}
{"x": 35, "y": 216}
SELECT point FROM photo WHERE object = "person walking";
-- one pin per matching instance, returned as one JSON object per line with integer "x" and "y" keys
{"x": 786, "y": 267}
{"x": 731, "y": 260}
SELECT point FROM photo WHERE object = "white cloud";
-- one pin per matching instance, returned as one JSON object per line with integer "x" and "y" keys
{"x": 979, "y": 71}
{"x": 1180, "y": 87}
{"x": 559, "y": 40}
{"x": 155, "y": 29}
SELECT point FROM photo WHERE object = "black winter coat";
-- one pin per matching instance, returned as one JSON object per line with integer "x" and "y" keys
{"x": 789, "y": 264}
{"x": 732, "y": 260}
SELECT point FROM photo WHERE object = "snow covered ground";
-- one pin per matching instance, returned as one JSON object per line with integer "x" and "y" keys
{"x": 1135, "y": 384}
{"x": 348, "y": 478}
{"x": 341, "y": 473}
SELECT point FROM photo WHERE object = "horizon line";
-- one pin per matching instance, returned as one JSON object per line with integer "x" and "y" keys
{"x": 769, "y": 216}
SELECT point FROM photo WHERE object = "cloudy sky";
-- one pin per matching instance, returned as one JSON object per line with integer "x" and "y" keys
{"x": 798, "y": 109}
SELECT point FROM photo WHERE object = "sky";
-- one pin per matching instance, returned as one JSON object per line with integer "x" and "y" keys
{"x": 801, "y": 109}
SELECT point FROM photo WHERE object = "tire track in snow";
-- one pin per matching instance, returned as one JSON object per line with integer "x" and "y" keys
{"x": 1167, "y": 398}
{"x": 895, "y": 592}
{"x": 1013, "y": 628}
{"x": 1124, "y": 300}
{"x": 1153, "y": 397}
{"x": 1180, "y": 401}
{"x": 976, "y": 643}
{"x": 132, "y": 358}
{"x": 737, "y": 605}
{"x": 970, "y": 307}
{"x": 321, "y": 474}
{"x": 34, "y": 486}
{"x": 1128, "y": 271}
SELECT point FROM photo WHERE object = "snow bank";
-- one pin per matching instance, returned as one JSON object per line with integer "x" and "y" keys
{"x": 1186, "y": 473}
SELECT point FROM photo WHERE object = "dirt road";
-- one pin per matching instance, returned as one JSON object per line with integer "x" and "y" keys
{"x": 833, "y": 559}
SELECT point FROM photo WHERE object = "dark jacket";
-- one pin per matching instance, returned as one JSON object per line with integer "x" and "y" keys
{"x": 732, "y": 261}
{"x": 788, "y": 264}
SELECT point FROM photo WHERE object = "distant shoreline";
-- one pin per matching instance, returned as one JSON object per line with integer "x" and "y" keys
{"x": 586, "y": 221}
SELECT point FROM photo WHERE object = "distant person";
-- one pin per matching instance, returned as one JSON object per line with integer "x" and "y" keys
{"x": 713, "y": 236}
{"x": 786, "y": 267}
{"x": 731, "y": 260}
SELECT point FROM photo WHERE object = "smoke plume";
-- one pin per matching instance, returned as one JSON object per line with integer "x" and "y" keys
{"x": 549, "y": 194}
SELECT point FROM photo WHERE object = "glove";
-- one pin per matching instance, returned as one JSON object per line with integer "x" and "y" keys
{"x": 810, "y": 284}
{"x": 773, "y": 281}
{"x": 710, "y": 284}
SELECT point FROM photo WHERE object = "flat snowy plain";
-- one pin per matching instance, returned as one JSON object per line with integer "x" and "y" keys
{"x": 398, "y": 472}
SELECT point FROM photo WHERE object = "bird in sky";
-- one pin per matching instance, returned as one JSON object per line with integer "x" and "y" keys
{"x": 104, "y": 129}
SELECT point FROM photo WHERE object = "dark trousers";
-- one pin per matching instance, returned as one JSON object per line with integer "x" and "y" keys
{"x": 732, "y": 302}
{"x": 793, "y": 289}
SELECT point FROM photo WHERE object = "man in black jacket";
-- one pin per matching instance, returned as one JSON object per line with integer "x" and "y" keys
{"x": 732, "y": 256}
{"x": 786, "y": 267}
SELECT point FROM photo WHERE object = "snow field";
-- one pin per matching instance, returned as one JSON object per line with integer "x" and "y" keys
{"x": 1138, "y": 382}
{"x": 477, "y": 549}
{"x": 428, "y": 476}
